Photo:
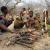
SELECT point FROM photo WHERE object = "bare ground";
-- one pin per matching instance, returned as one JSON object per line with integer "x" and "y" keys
{"x": 41, "y": 44}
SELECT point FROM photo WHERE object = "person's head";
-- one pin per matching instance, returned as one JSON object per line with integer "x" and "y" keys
{"x": 4, "y": 10}
{"x": 28, "y": 8}
{"x": 24, "y": 9}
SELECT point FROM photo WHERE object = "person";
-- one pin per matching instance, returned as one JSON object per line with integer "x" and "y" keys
{"x": 30, "y": 21}
{"x": 30, "y": 14}
{"x": 28, "y": 11}
{"x": 6, "y": 19}
{"x": 37, "y": 21}
{"x": 18, "y": 24}
{"x": 22, "y": 12}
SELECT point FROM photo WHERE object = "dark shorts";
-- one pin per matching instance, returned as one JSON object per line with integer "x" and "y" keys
{"x": 2, "y": 21}
{"x": 6, "y": 23}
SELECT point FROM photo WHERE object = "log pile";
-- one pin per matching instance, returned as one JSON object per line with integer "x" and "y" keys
{"x": 24, "y": 38}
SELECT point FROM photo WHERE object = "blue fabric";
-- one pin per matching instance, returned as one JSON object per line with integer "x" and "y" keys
{"x": 2, "y": 21}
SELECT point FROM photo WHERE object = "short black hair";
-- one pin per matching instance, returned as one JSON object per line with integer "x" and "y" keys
{"x": 24, "y": 9}
{"x": 3, "y": 8}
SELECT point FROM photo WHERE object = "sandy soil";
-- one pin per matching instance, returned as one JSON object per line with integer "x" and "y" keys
{"x": 3, "y": 40}
{"x": 41, "y": 44}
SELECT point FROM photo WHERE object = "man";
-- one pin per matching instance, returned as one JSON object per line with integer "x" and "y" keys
{"x": 6, "y": 19}
{"x": 30, "y": 20}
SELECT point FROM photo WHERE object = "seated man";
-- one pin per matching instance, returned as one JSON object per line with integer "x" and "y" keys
{"x": 6, "y": 19}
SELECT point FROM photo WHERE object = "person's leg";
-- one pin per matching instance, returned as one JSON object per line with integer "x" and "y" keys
{"x": 3, "y": 27}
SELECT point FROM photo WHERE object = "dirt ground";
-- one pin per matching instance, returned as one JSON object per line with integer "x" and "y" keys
{"x": 41, "y": 44}
{"x": 13, "y": 47}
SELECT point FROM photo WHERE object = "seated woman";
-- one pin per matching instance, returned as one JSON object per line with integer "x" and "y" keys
{"x": 6, "y": 19}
